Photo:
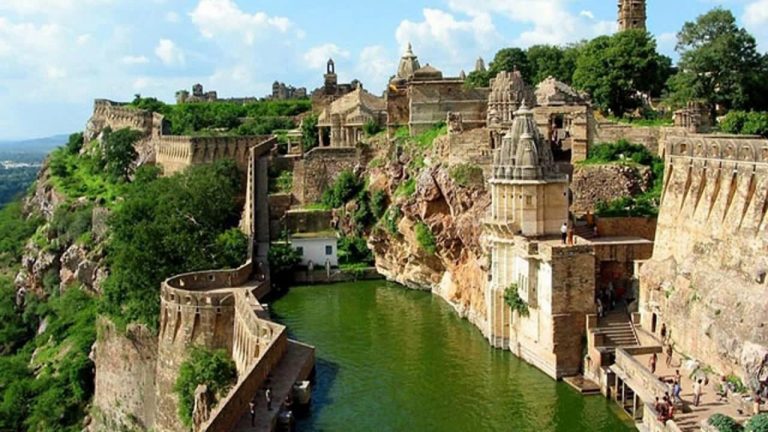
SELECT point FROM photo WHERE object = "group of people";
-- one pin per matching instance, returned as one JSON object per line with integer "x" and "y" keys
{"x": 665, "y": 409}
{"x": 606, "y": 300}
{"x": 286, "y": 405}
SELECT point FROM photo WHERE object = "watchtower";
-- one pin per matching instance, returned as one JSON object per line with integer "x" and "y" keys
{"x": 632, "y": 14}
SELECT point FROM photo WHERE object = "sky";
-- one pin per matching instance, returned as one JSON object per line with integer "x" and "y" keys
{"x": 56, "y": 56}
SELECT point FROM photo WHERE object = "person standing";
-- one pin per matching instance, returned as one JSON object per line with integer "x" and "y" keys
{"x": 698, "y": 387}
{"x": 564, "y": 232}
{"x": 669, "y": 355}
{"x": 652, "y": 363}
{"x": 677, "y": 388}
{"x": 252, "y": 410}
{"x": 663, "y": 332}
{"x": 268, "y": 398}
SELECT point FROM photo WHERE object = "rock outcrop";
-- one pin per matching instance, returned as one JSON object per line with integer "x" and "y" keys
{"x": 453, "y": 213}
{"x": 594, "y": 183}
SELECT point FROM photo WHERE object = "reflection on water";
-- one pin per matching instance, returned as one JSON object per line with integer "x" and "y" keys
{"x": 391, "y": 359}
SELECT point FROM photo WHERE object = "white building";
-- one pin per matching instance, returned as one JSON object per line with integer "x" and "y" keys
{"x": 317, "y": 248}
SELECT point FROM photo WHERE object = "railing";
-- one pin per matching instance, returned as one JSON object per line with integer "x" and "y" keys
{"x": 258, "y": 347}
{"x": 639, "y": 378}
{"x": 207, "y": 280}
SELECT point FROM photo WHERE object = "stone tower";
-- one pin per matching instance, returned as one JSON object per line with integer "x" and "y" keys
{"x": 632, "y": 14}
{"x": 528, "y": 194}
{"x": 409, "y": 64}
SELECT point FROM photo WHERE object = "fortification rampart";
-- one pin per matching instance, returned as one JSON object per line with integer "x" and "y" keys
{"x": 259, "y": 345}
{"x": 319, "y": 168}
{"x": 196, "y": 309}
{"x": 119, "y": 115}
{"x": 707, "y": 278}
{"x": 175, "y": 152}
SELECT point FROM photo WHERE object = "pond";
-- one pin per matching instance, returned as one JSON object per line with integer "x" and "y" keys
{"x": 393, "y": 359}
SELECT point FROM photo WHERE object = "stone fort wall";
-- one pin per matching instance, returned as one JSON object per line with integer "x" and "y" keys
{"x": 319, "y": 168}
{"x": 706, "y": 279}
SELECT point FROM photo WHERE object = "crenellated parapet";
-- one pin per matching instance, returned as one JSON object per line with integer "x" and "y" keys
{"x": 176, "y": 152}
{"x": 118, "y": 115}
{"x": 717, "y": 149}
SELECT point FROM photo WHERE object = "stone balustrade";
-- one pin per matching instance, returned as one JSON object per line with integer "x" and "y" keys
{"x": 638, "y": 377}
{"x": 258, "y": 347}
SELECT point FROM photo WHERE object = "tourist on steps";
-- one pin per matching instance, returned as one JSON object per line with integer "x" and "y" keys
{"x": 252, "y": 410}
{"x": 677, "y": 386}
{"x": 564, "y": 232}
{"x": 670, "y": 351}
{"x": 698, "y": 388}
{"x": 268, "y": 398}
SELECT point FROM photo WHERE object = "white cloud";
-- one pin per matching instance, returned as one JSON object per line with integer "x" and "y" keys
{"x": 83, "y": 39}
{"x": 375, "y": 66}
{"x": 224, "y": 18}
{"x": 756, "y": 20}
{"x": 32, "y": 7}
{"x": 54, "y": 72}
{"x": 552, "y": 21}
{"x": 172, "y": 17}
{"x": 317, "y": 57}
{"x": 454, "y": 42}
{"x": 134, "y": 60}
{"x": 169, "y": 53}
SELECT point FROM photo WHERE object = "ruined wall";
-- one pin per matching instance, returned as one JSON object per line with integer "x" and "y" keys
{"x": 116, "y": 115}
{"x": 319, "y": 169}
{"x": 706, "y": 280}
{"x": 643, "y": 227}
{"x": 654, "y": 138}
{"x": 466, "y": 147}
{"x": 431, "y": 101}
{"x": 594, "y": 183}
{"x": 191, "y": 313}
{"x": 174, "y": 153}
{"x": 124, "y": 395}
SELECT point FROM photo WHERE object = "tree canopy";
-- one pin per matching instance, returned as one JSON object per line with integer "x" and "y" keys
{"x": 719, "y": 65}
{"x": 617, "y": 70}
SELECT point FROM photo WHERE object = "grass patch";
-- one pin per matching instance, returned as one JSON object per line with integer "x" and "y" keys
{"x": 466, "y": 175}
{"x": 425, "y": 238}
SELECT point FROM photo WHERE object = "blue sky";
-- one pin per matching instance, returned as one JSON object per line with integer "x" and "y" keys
{"x": 56, "y": 56}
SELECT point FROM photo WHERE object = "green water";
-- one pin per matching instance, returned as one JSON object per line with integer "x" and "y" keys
{"x": 391, "y": 359}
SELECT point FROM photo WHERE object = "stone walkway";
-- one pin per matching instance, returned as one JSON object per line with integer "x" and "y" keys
{"x": 296, "y": 365}
{"x": 689, "y": 418}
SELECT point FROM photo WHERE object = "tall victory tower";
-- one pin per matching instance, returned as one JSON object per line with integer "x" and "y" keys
{"x": 632, "y": 14}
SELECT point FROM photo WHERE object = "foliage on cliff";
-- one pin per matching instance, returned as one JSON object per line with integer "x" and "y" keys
{"x": 15, "y": 229}
{"x": 166, "y": 226}
{"x": 212, "y": 368}
{"x": 262, "y": 117}
{"x": 47, "y": 379}
{"x": 745, "y": 123}
{"x": 515, "y": 302}
{"x": 623, "y": 152}
{"x": 426, "y": 238}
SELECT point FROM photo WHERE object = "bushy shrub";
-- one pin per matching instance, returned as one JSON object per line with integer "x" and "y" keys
{"x": 372, "y": 127}
{"x": 231, "y": 248}
{"x": 68, "y": 223}
{"x": 75, "y": 143}
{"x": 309, "y": 133}
{"x": 120, "y": 153}
{"x": 406, "y": 188}
{"x": 354, "y": 250}
{"x": 213, "y": 368}
{"x": 515, "y": 302}
{"x": 378, "y": 203}
{"x": 392, "y": 219}
{"x": 346, "y": 186}
{"x": 621, "y": 150}
{"x": 723, "y": 423}
{"x": 283, "y": 258}
{"x": 745, "y": 123}
{"x": 466, "y": 175}
{"x": 758, "y": 423}
{"x": 15, "y": 229}
{"x": 426, "y": 238}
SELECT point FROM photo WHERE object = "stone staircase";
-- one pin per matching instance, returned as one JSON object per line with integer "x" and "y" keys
{"x": 616, "y": 325}
{"x": 581, "y": 229}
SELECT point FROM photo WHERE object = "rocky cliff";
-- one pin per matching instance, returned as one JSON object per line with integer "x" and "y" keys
{"x": 592, "y": 184}
{"x": 452, "y": 209}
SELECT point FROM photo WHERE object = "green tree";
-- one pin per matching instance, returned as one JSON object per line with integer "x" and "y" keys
{"x": 231, "y": 248}
{"x": 616, "y": 69}
{"x": 723, "y": 423}
{"x": 75, "y": 143}
{"x": 166, "y": 227}
{"x": 283, "y": 259}
{"x": 212, "y": 368}
{"x": 719, "y": 65}
{"x": 120, "y": 153}
{"x": 509, "y": 59}
{"x": 758, "y": 423}
{"x": 550, "y": 60}
{"x": 309, "y": 133}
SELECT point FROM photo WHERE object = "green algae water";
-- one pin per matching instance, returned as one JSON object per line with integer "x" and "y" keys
{"x": 392, "y": 359}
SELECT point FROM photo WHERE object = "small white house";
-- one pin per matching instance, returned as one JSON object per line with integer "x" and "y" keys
{"x": 318, "y": 248}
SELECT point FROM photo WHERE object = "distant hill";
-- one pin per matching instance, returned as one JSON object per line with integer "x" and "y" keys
{"x": 37, "y": 145}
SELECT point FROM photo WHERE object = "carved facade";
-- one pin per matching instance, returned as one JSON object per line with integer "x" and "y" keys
{"x": 632, "y": 14}
{"x": 418, "y": 97}
{"x": 341, "y": 123}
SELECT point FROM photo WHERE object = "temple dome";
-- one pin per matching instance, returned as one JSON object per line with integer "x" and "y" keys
{"x": 409, "y": 64}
